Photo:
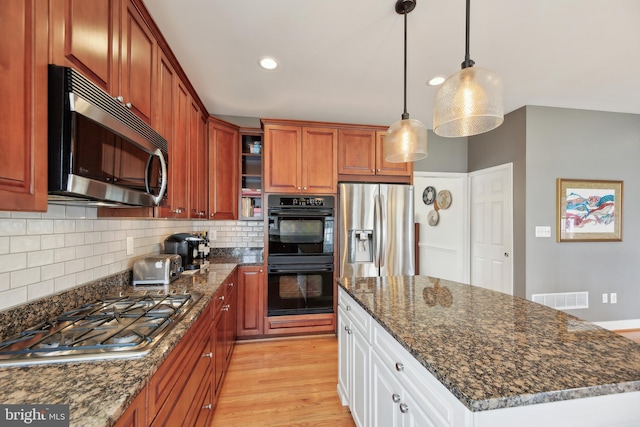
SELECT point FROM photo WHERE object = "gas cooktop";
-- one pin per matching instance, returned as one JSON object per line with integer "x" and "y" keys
{"x": 123, "y": 326}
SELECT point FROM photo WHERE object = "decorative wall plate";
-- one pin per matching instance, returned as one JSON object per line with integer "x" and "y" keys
{"x": 433, "y": 218}
{"x": 428, "y": 195}
{"x": 444, "y": 199}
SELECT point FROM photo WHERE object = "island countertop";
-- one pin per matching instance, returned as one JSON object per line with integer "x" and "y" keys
{"x": 492, "y": 350}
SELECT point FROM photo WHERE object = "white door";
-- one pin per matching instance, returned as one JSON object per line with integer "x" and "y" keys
{"x": 444, "y": 247}
{"x": 491, "y": 204}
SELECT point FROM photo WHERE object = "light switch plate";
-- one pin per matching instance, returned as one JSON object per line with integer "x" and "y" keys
{"x": 543, "y": 231}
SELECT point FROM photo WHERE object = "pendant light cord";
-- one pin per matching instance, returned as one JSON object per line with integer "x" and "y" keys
{"x": 468, "y": 62}
{"x": 405, "y": 115}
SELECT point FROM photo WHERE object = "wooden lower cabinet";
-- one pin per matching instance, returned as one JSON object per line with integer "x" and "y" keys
{"x": 184, "y": 390}
{"x": 250, "y": 301}
{"x": 136, "y": 414}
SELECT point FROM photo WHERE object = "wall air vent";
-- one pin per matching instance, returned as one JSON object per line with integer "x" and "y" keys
{"x": 563, "y": 300}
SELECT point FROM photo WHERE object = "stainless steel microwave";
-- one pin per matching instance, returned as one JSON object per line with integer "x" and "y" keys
{"x": 100, "y": 153}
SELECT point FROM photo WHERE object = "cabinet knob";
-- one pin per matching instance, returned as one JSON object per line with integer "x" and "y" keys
{"x": 226, "y": 307}
{"x": 207, "y": 407}
{"x": 395, "y": 397}
{"x": 230, "y": 285}
{"x": 119, "y": 98}
{"x": 348, "y": 308}
{"x": 211, "y": 215}
{"x": 128, "y": 105}
{"x": 221, "y": 298}
{"x": 378, "y": 170}
{"x": 209, "y": 355}
{"x": 399, "y": 367}
{"x": 305, "y": 188}
{"x": 404, "y": 408}
{"x": 298, "y": 188}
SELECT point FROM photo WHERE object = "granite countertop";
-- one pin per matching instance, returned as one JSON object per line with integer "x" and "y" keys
{"x": 493, "y": 350}
{"x": 98, "y": 392}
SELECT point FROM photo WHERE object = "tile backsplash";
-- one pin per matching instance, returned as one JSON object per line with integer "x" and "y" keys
{"x": 45, "y": 253}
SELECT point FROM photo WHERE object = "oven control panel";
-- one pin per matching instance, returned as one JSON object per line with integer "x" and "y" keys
{"x": 301, "y": 202}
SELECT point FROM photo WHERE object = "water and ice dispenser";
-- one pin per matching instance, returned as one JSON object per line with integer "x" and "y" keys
{"x": 360, "y": 246}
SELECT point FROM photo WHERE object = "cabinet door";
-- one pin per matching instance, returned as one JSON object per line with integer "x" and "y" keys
{"x": 386, "y": 394}
{"x": 23, "y": 127}
{"x": 319, "y": 160}
{"x": 164, "y": 119}
{"x": 197, "y": 160}
{"x": 250, "y": 301}
{"x": 219, "y": 356}
{"x": 178, "y": 171}
{"x": 136, "y": 413}
{"x": 282, "y": 159}
{"x": 230, "y": 320}
{"x": 138, "y": 49}
{"x": 356, "y": 152}
{"x": 84, "y": 36}
{"x": 359, "y": 377}
{"x": 223, "y": 171}
{"x": 387, "y": 168}
{"x": 344, "y": 355}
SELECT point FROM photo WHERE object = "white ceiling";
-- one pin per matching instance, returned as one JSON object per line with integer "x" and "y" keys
{"x": 342, "y": 60}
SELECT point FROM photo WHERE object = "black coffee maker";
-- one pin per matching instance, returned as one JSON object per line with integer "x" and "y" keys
{"x": 188, "y": 246}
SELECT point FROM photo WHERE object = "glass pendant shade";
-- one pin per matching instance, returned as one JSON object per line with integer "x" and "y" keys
{"x": 405, "y": 141}
{"x": 468, "y": 103}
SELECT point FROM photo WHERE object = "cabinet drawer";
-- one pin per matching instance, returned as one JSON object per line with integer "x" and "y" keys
{"x": 358, "y": 316}
{"x": 424, "y": 388}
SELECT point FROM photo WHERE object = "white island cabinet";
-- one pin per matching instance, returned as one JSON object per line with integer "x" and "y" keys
{"x": 386, "y": 385}
{"x": 354, "y": 337}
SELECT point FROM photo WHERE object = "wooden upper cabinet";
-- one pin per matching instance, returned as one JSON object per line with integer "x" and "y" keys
{"x": 84, "y": 36}
{"x": 319, "y": 169}
{"x": 361, "y": 153}
{"x": 223, "y": 170}
{"x": 387, "y": 168}
{"x": 179, "y": 171}
{"x": 300, "y": 159}
{"x": 356, "y": 152}
{"x": 23, "y": 127}
{"x": 281, "y": 161}
{"x": 197, "y": 160}
{"x": 138, "y": 50}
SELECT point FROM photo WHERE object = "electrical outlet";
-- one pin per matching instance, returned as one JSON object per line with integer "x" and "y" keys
{"x": 614, "y": 298}
{"x": 129, "y": 245}
{"x": 212, "y": 235}
{"x": 605, "y": 298}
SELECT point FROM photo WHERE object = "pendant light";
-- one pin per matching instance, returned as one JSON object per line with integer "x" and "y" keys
{"x": 406, "y": 140}
{"x": 470, "y": 101}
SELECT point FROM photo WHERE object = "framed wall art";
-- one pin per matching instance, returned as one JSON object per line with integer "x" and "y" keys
{"x": 588, "y": 211}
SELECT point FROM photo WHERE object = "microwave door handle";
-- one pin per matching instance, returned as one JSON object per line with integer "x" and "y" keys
{"x": 163, "y": 187}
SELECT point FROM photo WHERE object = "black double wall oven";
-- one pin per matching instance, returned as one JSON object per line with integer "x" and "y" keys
{"x": 300, "y": 257}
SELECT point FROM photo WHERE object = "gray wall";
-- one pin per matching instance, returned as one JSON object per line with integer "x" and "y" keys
{"x": 579, "y": 144}
{"x": 445, "y": 155}
{"x": 507, "y": 144}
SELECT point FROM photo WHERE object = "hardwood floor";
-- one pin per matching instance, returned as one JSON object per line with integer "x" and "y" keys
{"x": 632, "y": 334}
{"x": 283, "y": 382}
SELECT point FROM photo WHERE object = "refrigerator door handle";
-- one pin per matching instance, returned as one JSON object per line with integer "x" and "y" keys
{"x": 377, "y": 233}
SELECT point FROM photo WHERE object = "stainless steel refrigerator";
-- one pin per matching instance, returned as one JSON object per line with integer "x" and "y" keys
{"x": 376, "y": 230}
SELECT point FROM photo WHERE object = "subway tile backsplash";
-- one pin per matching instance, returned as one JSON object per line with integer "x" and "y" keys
{"x": 42, "y": 254}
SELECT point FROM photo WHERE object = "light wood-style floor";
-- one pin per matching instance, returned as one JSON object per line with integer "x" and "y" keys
{"x": 632, "y": 334}
{"x": 283, "y": 382}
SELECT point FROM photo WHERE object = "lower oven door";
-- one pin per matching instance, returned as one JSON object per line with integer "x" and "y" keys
{"x": 300, "y": 289}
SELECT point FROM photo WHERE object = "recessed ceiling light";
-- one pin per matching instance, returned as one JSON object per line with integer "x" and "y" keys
{"x": 438, "y": 80}
{"x": 268, "y": 63}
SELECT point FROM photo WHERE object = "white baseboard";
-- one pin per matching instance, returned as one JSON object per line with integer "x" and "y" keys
{"x": 620, "y": 325}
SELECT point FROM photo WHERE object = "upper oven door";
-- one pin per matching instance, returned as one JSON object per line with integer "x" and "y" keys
{"x": 301, "y": 232}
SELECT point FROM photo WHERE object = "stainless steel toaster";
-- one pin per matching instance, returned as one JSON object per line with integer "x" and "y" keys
{"x": 157, "y": 269}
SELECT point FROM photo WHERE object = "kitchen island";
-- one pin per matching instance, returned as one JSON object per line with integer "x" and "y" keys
{"x": 480, "y": 358}
{"x": 98, "y": 392}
